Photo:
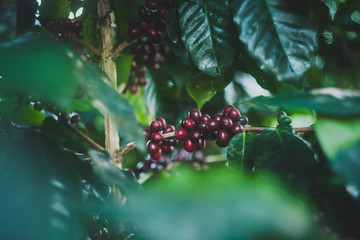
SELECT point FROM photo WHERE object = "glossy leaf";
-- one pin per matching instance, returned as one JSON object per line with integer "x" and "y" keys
{"x": 238, "y": 152}
{"x": 140, "y": 105}
{"x": 41, "y": 194}
{"x": 279, "y": 35}
{"x": 172, "y": 26}
{"x": 285, "y": 154}
{"x": 337, "y": 135}
{"x": 332, "y": 102}
{"x": 217, "y": 205}
{"x": 207, "y": 32}
{"x": 123, "y": 67}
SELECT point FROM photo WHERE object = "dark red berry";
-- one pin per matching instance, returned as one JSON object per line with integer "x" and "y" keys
{"x": 142, "y": 81}
{"x": 202, "y": 127}
{"x": 201, "y": 143}
{"x": 169, "y": 128}
{"x": 155, "y": 126}
{"x": 151, "y": 4}
{"x": 188, "y": 124}
{"x": 154, "y": 35}
{"x": 156, "y": 155}
{"x": 210, "y": 136}
{"x": 77, "y": 25}
{"x": 167, "y": 149}
{"x": 195, "y": 135}
{"x": 181, "y": 134}
{"x": 243, "y": 120}
{"x": 213, "y": 125}
{"x": 189, "y": 145}
{"x": 169, "y": 3}
{"x": 234, "y": 114}
{"x": 236, "y": 128}
{"x": 153, "y": 147}
{"x": 147, "y": 134}
{"x": 67, "y": 23}
{"x": 195, "y": 114}
{"x": 205, "y": 118}
{"x": 150, "y": 16}
{"x": 143, "y": 24}
{"x": 217, "y": 117}
{"x": 226, "y": 123}
{"x": 142, "y": 11}
{"x": 156, "y": 137}
{"x": 133, "y": 89}
{"x": 170, "y": 141}
{"x": 222, "y": 139}
{"x": 134, "y": 32}
{"x": 226, "y": 109}
{"x": 162, "y": 11}
{"x": 162, "y": 121}
{"x": 75, "y": 119}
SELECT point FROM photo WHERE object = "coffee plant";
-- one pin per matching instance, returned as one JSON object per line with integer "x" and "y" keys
{"x": 179, "y": 119}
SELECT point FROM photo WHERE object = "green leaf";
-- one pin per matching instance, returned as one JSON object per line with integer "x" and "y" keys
{"x": 55, "y": 9}
{"x": 207, "y": 32}
{"x": 41, "y": 193}
{"x": 279, "y": 35}
{"x": 337, "y": 135}
{"x": 22, "y": 114}
{"x": 52, "y": 72}
{"x": 347, "y": 163}
{"x": 285, "y": 154}
{"x": 123, "y": 67}
{"x": 124, "y": 11}
{"x": 91, "y": 34}
{"x": 238, "y": 154}
{"x": 172, "y": 26}
{"x": 217, "y": 205}
{"x": 333, "y": 102}
{"x": 141, "y": 108}
{"x": 110, "y": 174}
{"x": 202, "y": 88}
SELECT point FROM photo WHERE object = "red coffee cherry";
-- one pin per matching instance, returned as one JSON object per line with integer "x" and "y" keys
{"x": 226, "y": 109}
{"x": 155, "y": 126}
{"x": 181, "y": 134}
{"x": 170, "y": 141}
{"x": 195, "y": 114}
{"x": 236, "y": 128}
{"x": 189, "y": 124}
{"x": 156, "y": 137}
{"x": 222, "y": 139}
{"x": 213, "y": 125}
{"x": 217, "y": 117}
{"x": 134, "y": 32}
{"x": 201, "y": 143}
{"x": 243, "y": 120}
{"x": 162, "y": 122}
{"x": 226, "y": 123}
{"x": 234, "y": 114}
{"x": 167, "y": 149}
{"x": 210, "y": 136}
{"x": 151, "y": 4}
{"x": 194, "y": 136}
{"x": 205, "y": 118}
{"x": 189, "y": 145}
{"x": 156, "y": 155}
{"x": 202, "y": 127}
{"x": 147, "y": 134}
{"x": 153, "y": 147}
{"x": 154, "y": 35}
{"x": 169, "y": 128}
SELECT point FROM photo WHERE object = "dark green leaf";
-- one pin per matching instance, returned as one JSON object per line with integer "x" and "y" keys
{"x": 138, "y": 101}
{"x": 25, "y": 20}
{"x": 7, "y": 20}
{"x": 172, "y": 26}
{"x": 207, "y": 32}
{"x": 91, "y": 34}
{"x": 285, "y": 154}
{"x": 280, "y": 35}
{"x": 238, "y": 154}
{"x": 41, "y": 193}
{"x": 217, "y": 205}
{"x": 55, "y": 9}
{"x": 332, "y": 102}
{"x": 110, "y": 174}
{"x": 337, "y": 135}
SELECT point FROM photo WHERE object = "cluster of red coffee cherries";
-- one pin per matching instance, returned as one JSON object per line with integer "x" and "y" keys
{"x": 195, "y": 130}
{"x": 65, "y": 29}
{"x": 156, "y": 143}
{"x": 146, "y": 30}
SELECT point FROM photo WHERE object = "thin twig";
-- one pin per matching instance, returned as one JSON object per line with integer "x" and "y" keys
{"x": 116, "y": 52}
{"x": 86, "y": 45}
{"x": 92, "y": 143}
{"x": 251, "y": 129}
